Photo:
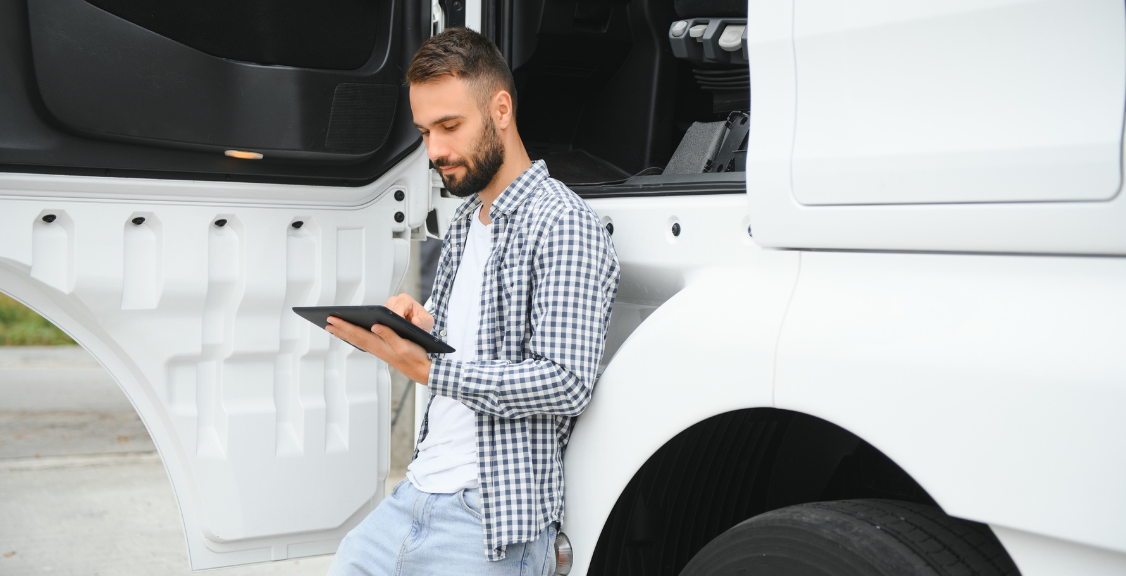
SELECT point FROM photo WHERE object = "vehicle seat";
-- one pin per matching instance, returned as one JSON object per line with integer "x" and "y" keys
{"x": 712, "y": 34}
{"x": 712, "y": 147}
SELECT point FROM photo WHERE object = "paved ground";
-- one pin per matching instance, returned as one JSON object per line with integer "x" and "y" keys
{"x": 57, "y": 401}
{"x": 82, "y": 490}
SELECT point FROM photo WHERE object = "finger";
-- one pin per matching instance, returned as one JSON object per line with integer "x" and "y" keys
{"x": 338, "y": 328}
{"x": 370, "y": 343}
{"x": 423, "y": 318}
{"x": 383, "y": 332}
{"x": 382, "y": 338}
{"x": 380, "y": 348}
{"x": 402, "y": 347}
{"x": 388, "y": 335}
{"x": 417, "y": 313}
{"x": 411, "y": 315}
{"x": 334, "y": 321}
{"x": 348, "y": 332}
{"x": 400, "y": 304}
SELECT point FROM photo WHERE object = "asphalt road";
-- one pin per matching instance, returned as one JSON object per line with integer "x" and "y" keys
{"x": 82, "y": 490}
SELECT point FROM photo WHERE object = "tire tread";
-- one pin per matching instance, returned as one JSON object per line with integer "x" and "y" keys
{"x": 952, "y": 547}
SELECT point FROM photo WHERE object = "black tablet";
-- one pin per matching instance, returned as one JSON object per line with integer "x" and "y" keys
{"x": 368, "y": 316}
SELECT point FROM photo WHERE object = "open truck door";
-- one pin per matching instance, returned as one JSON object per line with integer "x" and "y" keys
{"x": 173, "y": 179}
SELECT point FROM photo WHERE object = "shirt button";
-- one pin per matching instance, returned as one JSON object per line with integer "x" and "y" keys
{"x": 443, "y": 332}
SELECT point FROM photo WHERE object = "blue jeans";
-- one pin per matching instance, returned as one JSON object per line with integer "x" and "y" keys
{"x": 414, "y": 533}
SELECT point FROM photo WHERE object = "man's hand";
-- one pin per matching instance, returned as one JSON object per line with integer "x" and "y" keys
{"x": 408, "y": 308}
{"x": 381, "y": 341}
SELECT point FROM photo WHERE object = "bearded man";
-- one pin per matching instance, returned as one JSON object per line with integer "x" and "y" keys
{"x": 523, "y": 291}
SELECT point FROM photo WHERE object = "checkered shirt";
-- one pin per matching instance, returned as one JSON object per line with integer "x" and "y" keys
{"x": 548, "y": 287}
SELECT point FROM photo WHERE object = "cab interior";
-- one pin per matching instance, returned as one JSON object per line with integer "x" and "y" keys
{"x": 644, "y": 93}
{"x": 617, "y": 96}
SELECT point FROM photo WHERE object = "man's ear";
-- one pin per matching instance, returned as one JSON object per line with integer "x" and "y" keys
{"x": 502, "y": 109}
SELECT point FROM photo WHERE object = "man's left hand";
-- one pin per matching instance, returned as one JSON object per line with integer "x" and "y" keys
{"x": 381, "y": 341}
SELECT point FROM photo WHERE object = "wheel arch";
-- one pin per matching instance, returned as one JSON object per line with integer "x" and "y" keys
{"x": 659, "y": 391}
{"x": 730, "y": 467}
{"x": 65, "y": 312}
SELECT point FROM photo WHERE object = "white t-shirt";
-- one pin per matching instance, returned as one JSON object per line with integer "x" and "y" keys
{"x": 447, "y": 458}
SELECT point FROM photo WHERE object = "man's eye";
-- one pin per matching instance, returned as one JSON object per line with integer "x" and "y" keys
{"x": 451, "y": 127}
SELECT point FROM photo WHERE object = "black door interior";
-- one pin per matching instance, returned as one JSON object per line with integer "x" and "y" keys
{"x": 165, "y": 89}
{"x": 605, "y": 97}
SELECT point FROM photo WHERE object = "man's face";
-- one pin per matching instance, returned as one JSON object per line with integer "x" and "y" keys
{"x": 461, "y": 140}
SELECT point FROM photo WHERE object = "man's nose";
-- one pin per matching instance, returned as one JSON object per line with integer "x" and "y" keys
{"x": 436, "y": 149}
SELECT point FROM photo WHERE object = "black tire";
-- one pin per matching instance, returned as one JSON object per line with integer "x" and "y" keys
{"x": 854, "y": 538}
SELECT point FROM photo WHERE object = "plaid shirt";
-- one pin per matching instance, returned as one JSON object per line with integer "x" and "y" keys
{"x": 548, "y": 287}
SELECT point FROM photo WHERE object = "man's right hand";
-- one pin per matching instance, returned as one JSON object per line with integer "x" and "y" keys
{"x": 409, "y": 308}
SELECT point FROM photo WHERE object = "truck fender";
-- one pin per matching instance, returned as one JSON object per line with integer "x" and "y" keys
{"x": 708, "y": 349}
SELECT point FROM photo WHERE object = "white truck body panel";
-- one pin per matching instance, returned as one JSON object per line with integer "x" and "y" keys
{"x": 992, "y": 379}
{"x": 707, "y": 349}
{"x": 958, "y": 101}
{"x": 275, "y": 436}
{"x": 1043, "y": 556}
{"x": 892, "y": 151}
{"x": 995, "y": 381}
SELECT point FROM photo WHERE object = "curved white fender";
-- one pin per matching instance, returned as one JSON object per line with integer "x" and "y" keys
{"x": 709, "y": 349}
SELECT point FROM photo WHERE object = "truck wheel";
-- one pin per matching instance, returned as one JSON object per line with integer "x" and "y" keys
{"x": 854, "y": 538}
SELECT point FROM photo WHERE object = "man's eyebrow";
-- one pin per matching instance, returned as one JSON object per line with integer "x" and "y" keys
{"x": 443, "y": 120}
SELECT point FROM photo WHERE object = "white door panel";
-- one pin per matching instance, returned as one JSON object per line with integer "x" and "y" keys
{"x": 964, "y": 101}
{"x": 275, "y": 436}
{"x": 1039, "y": 556}
{"x": 862, "y": 213}
{"x": 996, "y": 381}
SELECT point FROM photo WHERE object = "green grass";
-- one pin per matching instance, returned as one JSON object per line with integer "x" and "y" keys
{"x": 19, "y": 326}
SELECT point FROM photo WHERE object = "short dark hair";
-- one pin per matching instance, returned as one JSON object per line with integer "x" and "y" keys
{"x": 467, "y": 55}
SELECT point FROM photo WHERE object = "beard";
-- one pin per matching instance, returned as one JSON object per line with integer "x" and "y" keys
{"x": 481, "y": 166}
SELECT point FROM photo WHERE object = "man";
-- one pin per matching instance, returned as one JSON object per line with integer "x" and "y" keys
{"x": 523, "y": 291}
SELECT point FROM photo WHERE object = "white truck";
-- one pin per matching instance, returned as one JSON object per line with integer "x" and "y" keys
{"x": 882, "y": 333}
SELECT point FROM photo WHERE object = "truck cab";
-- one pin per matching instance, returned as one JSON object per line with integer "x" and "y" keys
{"x": 872, "y": 261}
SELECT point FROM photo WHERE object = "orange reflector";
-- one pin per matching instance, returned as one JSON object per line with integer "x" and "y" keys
{"x": 244, "y": 155}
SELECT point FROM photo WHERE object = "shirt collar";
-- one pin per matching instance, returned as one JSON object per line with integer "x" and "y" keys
{"x": 512, "y": 197}
{"x": 520, "y": 189}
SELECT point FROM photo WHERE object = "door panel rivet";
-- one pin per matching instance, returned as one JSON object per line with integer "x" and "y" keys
{"x": 676, "y": 229}
{"x": 221, "y": 222}
{"x": 399, "y": 216}
{"x": 49, "y": 218}
{"x": 399, "y": 195}
{"x": 297, "y": 224}
{"x": 138, "y": 220}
